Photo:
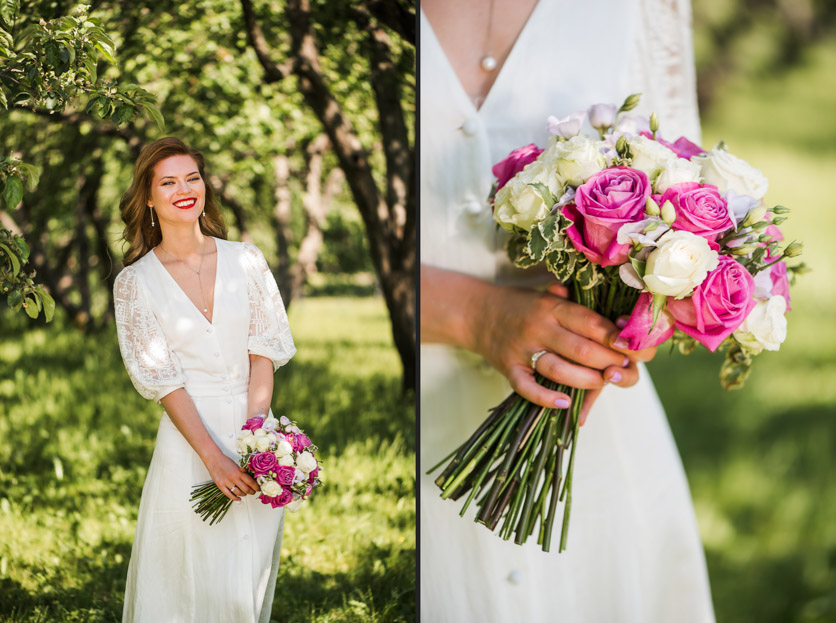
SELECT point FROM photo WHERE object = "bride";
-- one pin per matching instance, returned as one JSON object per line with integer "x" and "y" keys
{"x": 202, "y": 329}
{"x": 491, "y": 73}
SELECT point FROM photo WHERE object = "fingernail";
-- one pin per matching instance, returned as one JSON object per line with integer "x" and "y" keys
{"x": 621, "y": 343}
{"x": 615, "y": 377}
{"x": 561, "y": 403}
{"x": 626, "y": 362}
{"x": 621, "y": 322}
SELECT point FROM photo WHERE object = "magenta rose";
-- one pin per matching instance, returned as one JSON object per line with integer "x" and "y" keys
{"x": 780, "y": 282}
{"x": 254, "y": 423}
{"x": 682, "y": 147}
{"x": 299, "y": 441}
{"x": 263, "y": 462}
{"x": 608, "y": 200}
{"x": 700, "y": 209}
{"x": 638, "y": 331}
{"x": 718, "y": 306}
{"x": 284, "y": 475}
{"x": 312, "y": 476}
{"x": 283, "y": 499}
{"x": 514, "y": 162}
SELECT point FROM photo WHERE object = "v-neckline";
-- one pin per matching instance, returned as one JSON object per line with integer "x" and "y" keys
{"x": 183, "y": 292}
{"x": 512, "y": 54}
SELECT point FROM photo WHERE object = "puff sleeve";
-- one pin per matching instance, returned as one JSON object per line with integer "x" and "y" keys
{"x": 153, "y": 368}
{"x": 269, "y": 334}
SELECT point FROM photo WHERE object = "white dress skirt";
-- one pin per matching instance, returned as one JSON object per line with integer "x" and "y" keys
{"x": 634, "y": 552}
{"x": 182, "y": 569}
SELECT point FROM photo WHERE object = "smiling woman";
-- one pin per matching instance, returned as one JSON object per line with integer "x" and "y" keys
{"x": 202, "y": 328}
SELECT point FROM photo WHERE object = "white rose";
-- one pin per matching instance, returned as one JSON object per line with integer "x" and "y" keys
{"x": 519, "y": 204}
{"x": 271, "y": 437}
{"x": 283, "y": 448}
{"x": 575, "y": 160}
{"x": 728, "y": 172}
{"x": 650, "y": 156}
{"x": 679, "y": 264}
{"x": 295, "y": 505}
{"x": 306, "y": 462}
{"x": 286, "y": 460}
{"x": 241, "y": 446}
{"x": 271, "y": 488}
{"x": 765, "y": 326}
{"x": 259, "y": 432}
{"x": 250, "y": 441}
{"x": 262, "y": 444}
{"x": 677, "y": 171}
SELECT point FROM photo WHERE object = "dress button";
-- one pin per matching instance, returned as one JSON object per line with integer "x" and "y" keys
{"x": 229, "y": 401}
{"x": 230, "y": 435}
{"x": 473, "y": 207}
{"x": 210, "y": 330}
{"x": 470, "y": 127}
{"x": 246, "y": 536}
{"x": 515, "y": 577}
{"x": 217, "y": 354}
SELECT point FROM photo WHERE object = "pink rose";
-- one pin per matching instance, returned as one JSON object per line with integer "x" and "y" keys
{"x": 638, "y": 329}
{"x": 682, "y": 147}
{"x": 263, "y": 462}
{"x": 780, "y": 282}
{"x": 312, "y": 476}
{"x": 514, "y": 162}
{"x": 284, "y": 475}
{"x": 254, "y": 423}
{"x": 283, "y": 499}
{"x": 699, "y": 209}
{"x": 608, "y": 200}
{"x": 299, "y": 442}
{"x": 718, "y": 306}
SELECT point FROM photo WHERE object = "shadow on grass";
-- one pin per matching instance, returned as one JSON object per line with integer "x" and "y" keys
{"x": 97, "y": 599}
{"x": 373, "y": 591}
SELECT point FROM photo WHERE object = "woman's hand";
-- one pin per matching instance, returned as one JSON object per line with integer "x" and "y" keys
{"x": 508, "y": 325}
{"x": 233, "y": 481}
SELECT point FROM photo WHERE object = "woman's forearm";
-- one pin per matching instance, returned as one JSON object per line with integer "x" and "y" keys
{"x": 450, "y": 304}
{"x": 261, "y": 386}
{"x": 183, "y": 413}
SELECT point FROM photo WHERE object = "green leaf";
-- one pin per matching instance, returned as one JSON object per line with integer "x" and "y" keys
{"x": 659, "y": 301}
{"x": 13, "y": 258}
{"x": 537, "y": 245}
{"x": 639, "y": 266}
{"x": 15, "y": 299}
{"x": 48, "y": 303}
{"x": 3, "y": 101}
{"x": 548, "y": 227}
{"x": 30, "y": 307}
{"x": 23, "y": 248}
{"x": 30, "y": 174}
{"x": 545, "y": 193}
{"x": 107, "y": 50}
{"x": 13, "y": 192}
{"x": 90, "y": 66}
{"x": 154, "y": 113}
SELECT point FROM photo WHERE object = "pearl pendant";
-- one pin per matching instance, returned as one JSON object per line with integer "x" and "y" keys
{"x": 205, "y": 310}
{"x": 488, "y": 63}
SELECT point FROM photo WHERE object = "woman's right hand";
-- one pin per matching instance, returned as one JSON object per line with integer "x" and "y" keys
{"x": 232, "y": 480}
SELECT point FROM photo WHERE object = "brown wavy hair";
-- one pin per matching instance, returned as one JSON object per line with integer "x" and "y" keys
{"x": 139, "y": 234}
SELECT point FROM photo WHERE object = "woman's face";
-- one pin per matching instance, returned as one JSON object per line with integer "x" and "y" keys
{"x": 177, "y": 190}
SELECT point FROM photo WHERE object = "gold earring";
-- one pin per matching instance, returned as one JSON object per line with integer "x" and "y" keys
{"x": 151, "y": 208}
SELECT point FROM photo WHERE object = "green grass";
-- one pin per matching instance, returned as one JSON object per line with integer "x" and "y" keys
{"x": 761, "y": 461}
{"x": 77, "y": 440}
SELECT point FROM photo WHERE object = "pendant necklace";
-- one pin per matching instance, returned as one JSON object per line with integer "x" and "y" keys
{"x": 197, "y": 272}
{"x": 488, "y": 62}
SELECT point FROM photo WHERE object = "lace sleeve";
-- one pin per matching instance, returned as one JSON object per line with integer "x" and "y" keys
{"x": 153, "y": 368}
{"x": 663, "y": 67}
{"x": 269, "y": 329}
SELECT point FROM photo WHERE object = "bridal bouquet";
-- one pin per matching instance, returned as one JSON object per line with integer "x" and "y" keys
{"x": 674, "y": 237}
{"x": 279, "y": 456}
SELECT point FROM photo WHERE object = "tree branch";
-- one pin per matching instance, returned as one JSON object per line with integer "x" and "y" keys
{"x": 272, "y": 71}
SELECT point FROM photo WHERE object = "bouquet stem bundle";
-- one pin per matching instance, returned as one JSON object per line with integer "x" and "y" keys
{"x": 209, "y": 502}
{"x": 513, "y": 465}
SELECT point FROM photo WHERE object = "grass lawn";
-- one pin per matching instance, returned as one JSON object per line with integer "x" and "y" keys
{"x": 762, "y": 461}
{"x": 77, "y": 440}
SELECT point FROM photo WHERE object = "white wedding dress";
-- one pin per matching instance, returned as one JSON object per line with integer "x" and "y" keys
{"x": 182, "y": 569}
{"x": 634, "y": 553}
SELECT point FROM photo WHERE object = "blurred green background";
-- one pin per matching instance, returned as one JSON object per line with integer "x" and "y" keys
{"x": 761, "y": 461}
{"x": 76, "y": 437}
